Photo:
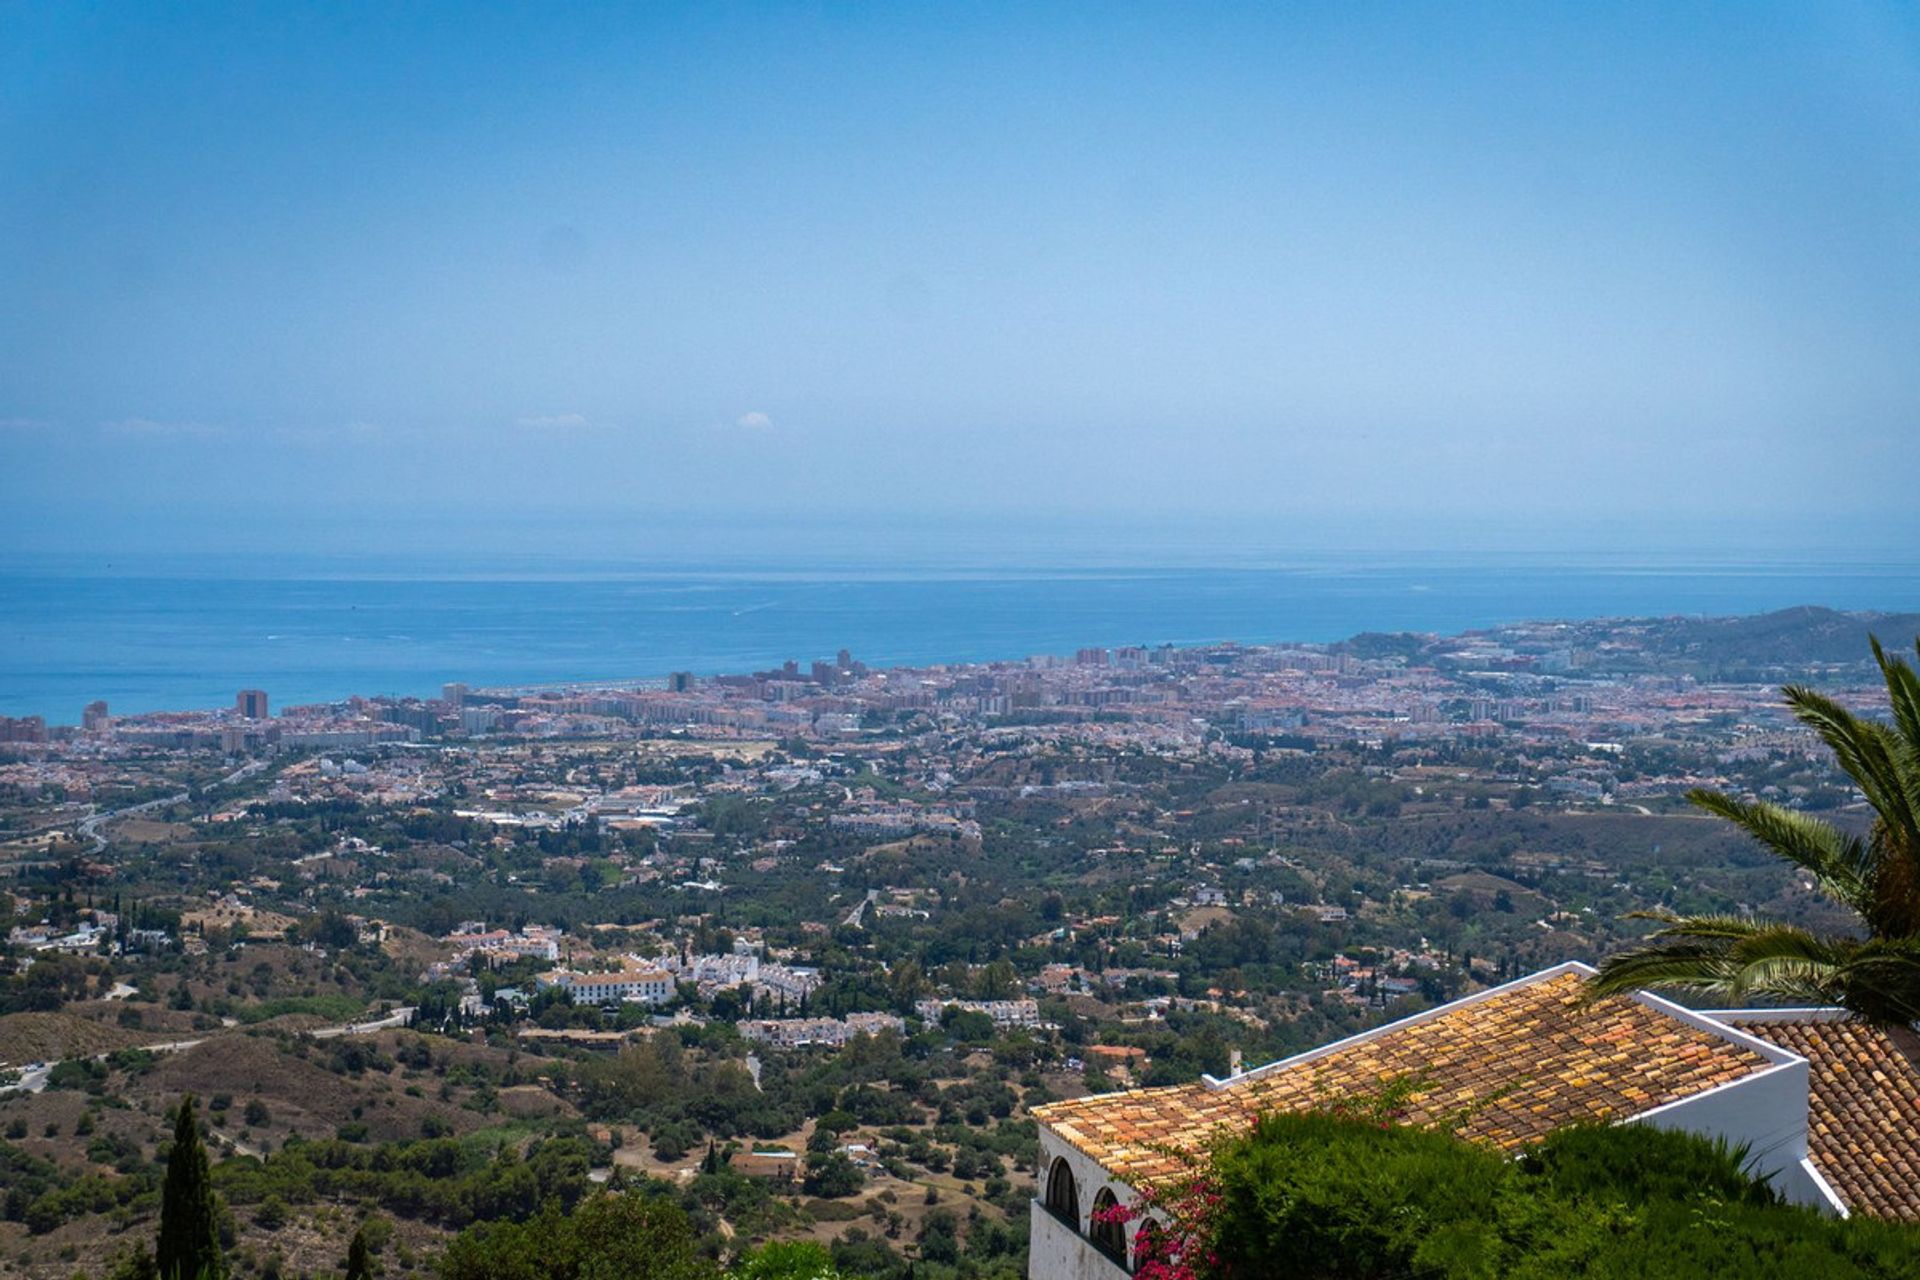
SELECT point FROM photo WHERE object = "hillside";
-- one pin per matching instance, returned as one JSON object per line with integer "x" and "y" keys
{"x": 1803, "y": 636}
{"x": 47, "y": 1037}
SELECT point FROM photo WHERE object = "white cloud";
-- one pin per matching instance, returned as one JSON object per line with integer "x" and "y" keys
{"x": 552, "y": 421}
{"x": 22, "y": 424}
{"x": 148, "y": 428}
{"x": 754, "y": 421}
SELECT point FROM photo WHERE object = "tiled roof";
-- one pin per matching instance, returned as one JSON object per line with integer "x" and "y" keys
{"x": 1863, "y": 1122}
{"x": 1504, "y": 1069}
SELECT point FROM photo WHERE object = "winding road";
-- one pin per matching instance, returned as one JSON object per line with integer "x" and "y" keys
{"x": 90, "y": 825}
{"x": 34, "y": 1080}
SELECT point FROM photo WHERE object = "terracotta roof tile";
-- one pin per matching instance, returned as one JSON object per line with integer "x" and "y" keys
{"x": 1504, "y": 1070}
{"x": 1863, "y": 1122}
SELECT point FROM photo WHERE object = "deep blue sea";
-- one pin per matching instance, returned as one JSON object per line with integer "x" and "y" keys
{"x": 187, "y": 634}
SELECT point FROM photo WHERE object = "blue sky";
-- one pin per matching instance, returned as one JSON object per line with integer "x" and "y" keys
{"x": 1603, "y": 275}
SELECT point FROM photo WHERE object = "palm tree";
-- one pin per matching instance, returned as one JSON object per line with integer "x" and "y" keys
{"x": 1876, "y": 974}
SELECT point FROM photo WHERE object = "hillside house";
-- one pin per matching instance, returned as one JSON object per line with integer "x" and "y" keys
{"x": 1828, "y": 1108}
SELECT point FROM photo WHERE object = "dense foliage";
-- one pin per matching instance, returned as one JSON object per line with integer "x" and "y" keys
{"x": 440, "y": 1179}
{"x": 609, "y": 1237}
{"x": 1347, "y": 1199}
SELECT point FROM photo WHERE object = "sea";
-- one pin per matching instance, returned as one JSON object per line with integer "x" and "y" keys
{"x": 186, "y": 632}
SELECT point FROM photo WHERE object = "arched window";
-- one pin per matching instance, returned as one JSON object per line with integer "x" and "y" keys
{"x": 1149, "y": 1244}
{"x": 1108, "y": 1233}
{"x": 1063, "y": 1197}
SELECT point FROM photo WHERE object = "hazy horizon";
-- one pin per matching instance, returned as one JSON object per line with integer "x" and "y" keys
{"x": 539, "y": 546}
{"x": 592, "y": 282}
{"x": 185, "y": 634}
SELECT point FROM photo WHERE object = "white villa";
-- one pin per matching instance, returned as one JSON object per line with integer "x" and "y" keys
{"x": 648, "y": 986}
{"x": 1827, "y": 1106}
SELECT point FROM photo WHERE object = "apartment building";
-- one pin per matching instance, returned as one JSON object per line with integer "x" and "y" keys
{"x": 649, "y": 986}
{"x": 792, "y": 1033}
{"x": 1005, "y": 1013}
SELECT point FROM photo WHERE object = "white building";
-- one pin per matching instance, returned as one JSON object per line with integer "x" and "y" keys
{"x": 791, "y": 1033}
{"x": 790, "y": 982}
{"x": 1005, "y": 1013}
{"x": 533, "y": 941}
{"x": 1508, "y": 1066}
{"x": 648, "y": 986}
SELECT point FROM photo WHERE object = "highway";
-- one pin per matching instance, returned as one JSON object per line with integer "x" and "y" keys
{"x": 90, "y": 825}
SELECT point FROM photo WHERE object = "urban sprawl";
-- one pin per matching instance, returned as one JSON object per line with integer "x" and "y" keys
{"x": 810, "y": 945}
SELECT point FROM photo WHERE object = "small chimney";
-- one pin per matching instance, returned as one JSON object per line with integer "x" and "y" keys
{"x": 1235, "y": 1063}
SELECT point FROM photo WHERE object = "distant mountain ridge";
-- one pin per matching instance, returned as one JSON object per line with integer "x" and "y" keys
{"x": 1805, "y": 634}
{"x": 1739, "y": 647}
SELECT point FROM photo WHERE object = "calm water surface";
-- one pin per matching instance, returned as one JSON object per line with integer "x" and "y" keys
{"x": 190, "y": 634}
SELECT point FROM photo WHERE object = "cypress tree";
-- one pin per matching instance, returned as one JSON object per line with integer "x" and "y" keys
{"x": 359, "y": 1265}
{"x": 189, "y": 1245}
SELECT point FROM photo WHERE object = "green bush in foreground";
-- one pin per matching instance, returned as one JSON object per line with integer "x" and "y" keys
{"x": 608, "y": 1237}
{"x": 1331, "y": 1198}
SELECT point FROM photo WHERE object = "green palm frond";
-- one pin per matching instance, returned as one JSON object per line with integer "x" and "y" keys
{"x": 1838, "y": 862}
{"x": 1893, "y": 902}
{"x": 1677, "y": 966}
{"x": 1743, "y": 960}
{"x": 1903, "y": 692}
{"x": 1699, "y": 928}
{"x": 1883, "y": 981}
{"x": 1779, "y": 961}
{"x": 1876, "y": 977}
{"x": 1870, "y": 752}
{"x": 1730, "y": 960}
{"x": 1903, "y": 695}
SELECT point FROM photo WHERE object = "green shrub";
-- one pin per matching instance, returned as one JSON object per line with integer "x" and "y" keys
{"x": 1320, "y": 1196}
{"x": 1637, "y": 1162}
{"x": 609, "y": 1237}
{"x": 77, "y": 1073}
{"x": 336, "y": 1008}
{"x": 1327, "y": 1197}
{"x": 786, "y": 1260}
{"x": 832, "y": 1176}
